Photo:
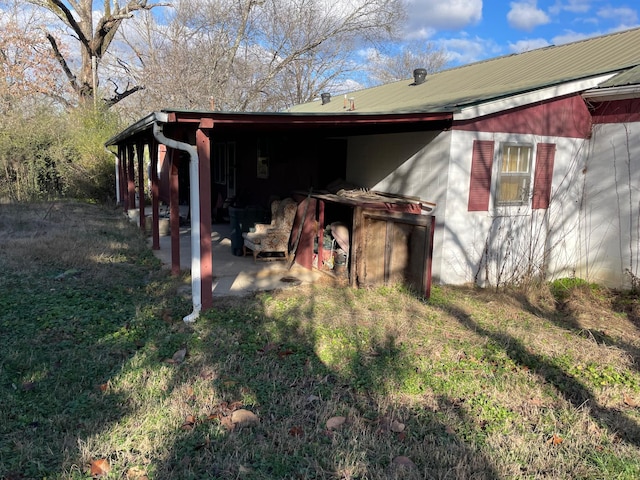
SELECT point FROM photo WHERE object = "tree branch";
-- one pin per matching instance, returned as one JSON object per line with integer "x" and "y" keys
{"x": 63, "y": 63}
{"x": 119, "y": 96}
{"x": 64, "y": 14}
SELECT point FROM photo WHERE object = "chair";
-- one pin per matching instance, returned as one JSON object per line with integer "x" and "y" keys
{"x": 273, "y": 237}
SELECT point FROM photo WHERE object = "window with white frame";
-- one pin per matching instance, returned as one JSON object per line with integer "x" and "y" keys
{"x": 514, "y": 176}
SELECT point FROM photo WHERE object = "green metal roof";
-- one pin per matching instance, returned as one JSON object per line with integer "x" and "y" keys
{"x": 500, "y": 77}
{"x": 628, "y": 77}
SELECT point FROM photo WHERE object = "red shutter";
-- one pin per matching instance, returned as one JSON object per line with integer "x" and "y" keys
{"x": 480, "y": 185}
{"x": 544, "y": 174}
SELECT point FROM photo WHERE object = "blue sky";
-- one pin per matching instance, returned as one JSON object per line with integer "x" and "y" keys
{"x": 472, "y": 30}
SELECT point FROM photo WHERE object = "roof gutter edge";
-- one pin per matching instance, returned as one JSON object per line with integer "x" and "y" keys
{"x": 139, "y": 126}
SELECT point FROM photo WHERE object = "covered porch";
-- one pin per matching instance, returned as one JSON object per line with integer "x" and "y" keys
{"x": 211, "y": 161}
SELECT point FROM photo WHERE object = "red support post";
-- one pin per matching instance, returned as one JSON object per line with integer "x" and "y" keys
{"x": 155, "y": 207}
{"x": 203, "y": 145}
{"x": 131, "y": 186}
{"x": 174, "y": 209}
{"x": 141, "y": 199}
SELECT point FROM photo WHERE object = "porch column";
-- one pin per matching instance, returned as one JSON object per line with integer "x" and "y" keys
{"x": 203, "y": 145}
{"x": 117, "y": 173}
{"x": 140, "y": 155}
{"x": 131, "y": 186}
{"x": 174, "y": 212}
{"x": 124, "y": 197}
{"x": 155, "y": 202}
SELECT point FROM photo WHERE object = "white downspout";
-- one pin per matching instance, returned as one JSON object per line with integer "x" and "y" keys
{"x": 194, "y": 186}
{"x": 117, "y": 178}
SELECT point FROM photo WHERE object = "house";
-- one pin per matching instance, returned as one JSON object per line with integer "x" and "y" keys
{"x": 532, "y": 160}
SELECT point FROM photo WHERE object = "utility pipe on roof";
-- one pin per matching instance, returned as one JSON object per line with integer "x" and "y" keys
{"x": 194, "y": 187}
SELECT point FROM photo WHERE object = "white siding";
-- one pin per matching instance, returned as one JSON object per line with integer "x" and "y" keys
{"x": 609, "y": 238}
{"x": 408, "y": 163}
{"x": 591, "y": 229}
{"x": 502, "y": 245}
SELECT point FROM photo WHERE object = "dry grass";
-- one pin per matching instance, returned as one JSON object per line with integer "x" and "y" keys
{"x": 472, "y": 384}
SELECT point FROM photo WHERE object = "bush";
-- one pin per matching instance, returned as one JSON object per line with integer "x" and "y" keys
{"x": 48, "y": 154}
{"x": 562, "y": 287}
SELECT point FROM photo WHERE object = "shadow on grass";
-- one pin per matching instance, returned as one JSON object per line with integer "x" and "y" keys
{"x": 287, "y": 362}
{"x": 565, "y": 316}
{"x": 567, "y": 386}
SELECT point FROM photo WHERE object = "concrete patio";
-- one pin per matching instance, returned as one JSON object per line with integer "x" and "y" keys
{"x": 237, "y": 275}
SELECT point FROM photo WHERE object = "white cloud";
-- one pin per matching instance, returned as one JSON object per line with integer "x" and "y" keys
{"x": 528, "y": 44}
{"x": 571, "y": 36}
{"x": 464, "y": 50}
{"x": 622, "y": 14}
{"x": 573, "y": 6}
{"x": 427, "y": 16}
{"x": 526, "y": 15}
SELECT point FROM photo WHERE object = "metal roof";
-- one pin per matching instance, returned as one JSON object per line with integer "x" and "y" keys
{"x": 628, "y": 77}
{"x": 452, "y": 89}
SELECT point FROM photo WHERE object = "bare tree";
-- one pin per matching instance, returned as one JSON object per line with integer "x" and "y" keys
{"x": 93, "y": 38}
{"x": 385, "y": 68}
{"x": 30, "y": 73}
{"x": 256, "y": 54}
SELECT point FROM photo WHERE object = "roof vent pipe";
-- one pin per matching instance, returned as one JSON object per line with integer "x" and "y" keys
{"x": 326, "y": 98}
{"x": 419, "y": 76}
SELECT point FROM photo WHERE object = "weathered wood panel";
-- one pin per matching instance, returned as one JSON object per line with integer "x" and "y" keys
{"x": 396, "y": 248}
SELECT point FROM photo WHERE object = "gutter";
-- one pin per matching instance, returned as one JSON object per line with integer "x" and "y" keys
{"x": 194, "y": 186}
{"x": 613, "y": 93}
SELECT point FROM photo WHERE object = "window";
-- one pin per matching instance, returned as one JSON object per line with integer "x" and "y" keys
{"x": 514, "y": 178}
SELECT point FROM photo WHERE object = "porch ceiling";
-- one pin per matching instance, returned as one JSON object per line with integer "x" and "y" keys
{"x": 180, "y": 121}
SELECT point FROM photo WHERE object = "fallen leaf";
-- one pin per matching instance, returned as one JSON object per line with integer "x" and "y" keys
{"x": 189, "y": 423}
{"x": 235, "y": 405}
{"x": 136, "y": 473}
{"x": 207, "y": 375}
{"x": 403, "y": 461}
{"x": 285, "y": 353}
{"x": 296, "y": 431}
{"x": 630, "y": 402}
{"x": 244, "y": 418}
{"x": 396, "y": 426}
{"x": 28, "y": 386}
{"x": 100, "y": 467}
{"x": 402, "y": 436}
{"x": 555, "y": 440}
{"x": 449, "y": 429}
{"x": 335, "y": 422}
{"x": 178, "y": 357}
{"x": 104, "y": 387}
{"x": 227, "y": 424}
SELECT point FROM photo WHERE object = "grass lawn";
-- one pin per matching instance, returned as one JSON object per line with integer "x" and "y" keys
{"x": 100, "y": 377}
